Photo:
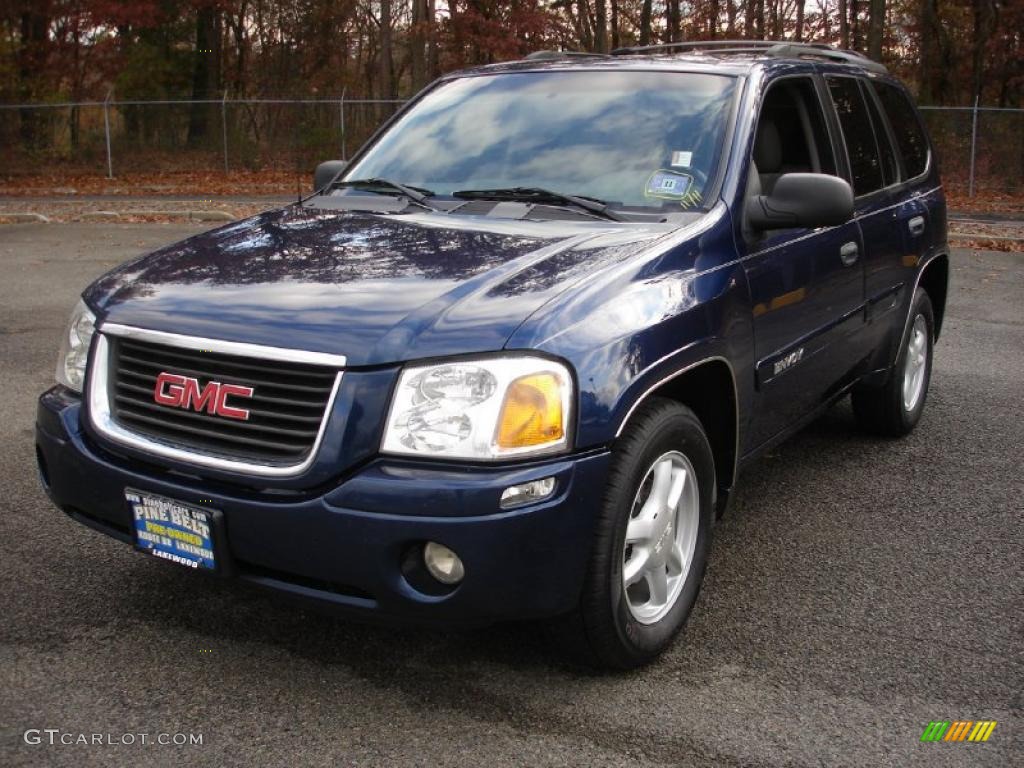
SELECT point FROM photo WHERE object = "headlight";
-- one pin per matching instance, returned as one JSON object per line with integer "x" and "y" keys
{"x": 74, "y": 347}
{"x": 481, "y": 409}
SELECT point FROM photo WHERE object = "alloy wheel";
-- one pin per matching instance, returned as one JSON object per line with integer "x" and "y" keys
{"x": 916, "y": 363}
{"x": 661, "y": 537}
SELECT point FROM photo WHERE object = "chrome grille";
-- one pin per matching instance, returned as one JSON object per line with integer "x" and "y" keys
{"x": 286, "y": 410}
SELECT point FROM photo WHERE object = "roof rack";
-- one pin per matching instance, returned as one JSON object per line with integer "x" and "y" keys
{"x": 551, "y": 55}
{"x": 779, "y": 48}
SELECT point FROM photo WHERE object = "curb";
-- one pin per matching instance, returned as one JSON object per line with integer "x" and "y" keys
{"x": 25, "y": 218}
{"x": 189, "y": 215}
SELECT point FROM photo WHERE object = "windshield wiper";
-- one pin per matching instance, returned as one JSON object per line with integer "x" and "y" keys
{"x": 416, "y": 194}
{"x": 541, "y": 196}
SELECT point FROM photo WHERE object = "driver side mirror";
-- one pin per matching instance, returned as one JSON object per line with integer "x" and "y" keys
{"x": 802, "y": 200}
{"x": 325, "y": 173}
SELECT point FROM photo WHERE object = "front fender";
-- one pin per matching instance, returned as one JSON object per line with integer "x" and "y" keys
{"x": 652, "y": 317}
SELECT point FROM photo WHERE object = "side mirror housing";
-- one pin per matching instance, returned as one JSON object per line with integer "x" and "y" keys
{"x": 326, "y": 171}
{"x": 802, "y": 200}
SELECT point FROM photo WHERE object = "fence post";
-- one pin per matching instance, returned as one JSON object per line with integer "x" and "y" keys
{"x": 341, "y": 110}
{"x": 224, "y": 128}
{"x": 974, "y": 143}
{"x": 106, "y": 126}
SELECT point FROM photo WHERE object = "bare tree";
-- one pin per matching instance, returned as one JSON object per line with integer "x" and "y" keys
{"x": 730, "y": 12}
{"x": 616, "y": 37}
{"x": 674, "y": 18}
{"x": 386, "y": 62}
{"x": 856, "y": 40}
{"x": 935, "y": 56}
{"x": 876, "y": 24}
{"x": 844, "y": 25}
{"x": 984, "y": 18}
{"x": 645, "y": 23}
{"x": 433, "y": 60}
{"x": 205, "y": 70}
{"x": 584, "y": 26}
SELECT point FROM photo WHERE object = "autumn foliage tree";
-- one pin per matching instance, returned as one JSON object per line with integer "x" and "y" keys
{"x": 951, "y": 52}
{"x": 76, "y": 49}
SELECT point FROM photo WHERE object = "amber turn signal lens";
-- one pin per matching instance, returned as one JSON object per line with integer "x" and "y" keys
{"x": 532, "y": 412}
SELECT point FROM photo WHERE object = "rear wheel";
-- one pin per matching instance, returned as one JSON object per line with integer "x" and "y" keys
{"x": 652, "y": 540}
{"x": 895, "y": 408}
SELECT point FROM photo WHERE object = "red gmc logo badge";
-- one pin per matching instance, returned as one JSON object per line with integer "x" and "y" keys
{"x": 185, "y": 392}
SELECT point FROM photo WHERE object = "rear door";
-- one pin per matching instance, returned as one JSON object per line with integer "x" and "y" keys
{"x": 889, "y": 284}
{"x": 879, "y": 202}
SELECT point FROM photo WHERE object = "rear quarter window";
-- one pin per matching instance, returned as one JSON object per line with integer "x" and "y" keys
{"x": 906, "y": 127}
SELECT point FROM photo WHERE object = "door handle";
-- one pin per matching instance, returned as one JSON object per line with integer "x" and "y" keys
{"x": 916, "y": 226}
{"x": 849, "y": 253}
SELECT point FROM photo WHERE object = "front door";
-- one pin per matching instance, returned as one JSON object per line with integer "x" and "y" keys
{"x": 807, "y": 286}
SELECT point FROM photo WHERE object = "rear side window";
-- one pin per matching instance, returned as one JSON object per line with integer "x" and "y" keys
{"x": 865, "y": 164}
{"x": 906, "y": 128}
{"x": 890, "y": 168}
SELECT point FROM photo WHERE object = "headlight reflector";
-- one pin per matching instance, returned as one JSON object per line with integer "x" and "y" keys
{"x": 74, "y": 347}
{"x": 480, "y": 409}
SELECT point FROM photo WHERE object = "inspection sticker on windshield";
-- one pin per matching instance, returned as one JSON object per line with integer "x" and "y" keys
{"x": 682, "y": 159}
{"x": 172, "y": 530}
{"x": 668, "y": 185}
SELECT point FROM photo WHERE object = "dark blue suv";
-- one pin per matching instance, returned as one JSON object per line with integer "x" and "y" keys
{"x": 509, "y": 361}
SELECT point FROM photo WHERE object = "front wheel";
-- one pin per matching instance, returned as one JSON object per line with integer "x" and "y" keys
{"x": 895, "y": 408}
{"x": 652, "y": 540}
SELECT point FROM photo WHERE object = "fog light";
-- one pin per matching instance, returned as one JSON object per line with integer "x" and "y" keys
{"x": 443, "y": 564}
{"x": 535, "y": 490}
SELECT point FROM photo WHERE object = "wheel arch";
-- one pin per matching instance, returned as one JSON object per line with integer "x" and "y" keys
{"x": 934, "y": 279}
{"x": 708, "y": 387}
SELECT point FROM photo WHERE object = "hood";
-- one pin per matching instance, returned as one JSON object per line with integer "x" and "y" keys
{"x": 377, "y": 289}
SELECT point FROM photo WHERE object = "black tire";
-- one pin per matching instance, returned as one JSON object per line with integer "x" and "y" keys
{"x": 603, "y": 629}
{"x": 882, "y": 410}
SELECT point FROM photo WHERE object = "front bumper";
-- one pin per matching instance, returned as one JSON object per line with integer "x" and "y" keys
{"x": 344, "y": 546}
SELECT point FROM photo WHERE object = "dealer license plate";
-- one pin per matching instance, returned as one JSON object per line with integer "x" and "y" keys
{"x": 173, "y": 530}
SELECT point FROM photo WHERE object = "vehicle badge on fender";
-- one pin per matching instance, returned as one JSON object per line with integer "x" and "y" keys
{"x": 184, "y": 392}
{"x": 788, "y": 361}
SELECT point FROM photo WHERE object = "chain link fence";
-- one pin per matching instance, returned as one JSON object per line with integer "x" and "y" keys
{"x": 981, "y": 149}
{"x": 119, "y": 137}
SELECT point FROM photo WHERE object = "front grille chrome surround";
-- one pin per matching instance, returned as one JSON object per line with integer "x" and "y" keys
{"x": 100, "y": 391}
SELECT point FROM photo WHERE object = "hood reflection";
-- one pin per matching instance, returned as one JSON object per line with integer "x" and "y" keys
{"x": 374, "y": 288}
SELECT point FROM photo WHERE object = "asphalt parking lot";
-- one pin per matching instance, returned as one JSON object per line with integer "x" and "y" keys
{"x": 858, "y": 590}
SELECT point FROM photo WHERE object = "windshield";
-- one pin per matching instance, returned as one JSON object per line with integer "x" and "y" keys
{"x": 648, "y": 139}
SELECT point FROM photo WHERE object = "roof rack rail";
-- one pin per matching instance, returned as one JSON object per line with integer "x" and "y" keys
{"x": 551, "y": 55}
{"x": 780, "y": 48}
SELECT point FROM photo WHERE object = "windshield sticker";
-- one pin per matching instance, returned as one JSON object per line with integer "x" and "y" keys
{"x": 691, "y": 199}
{"x": 681, "y": 159}
{"x": 668, "y": 185}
